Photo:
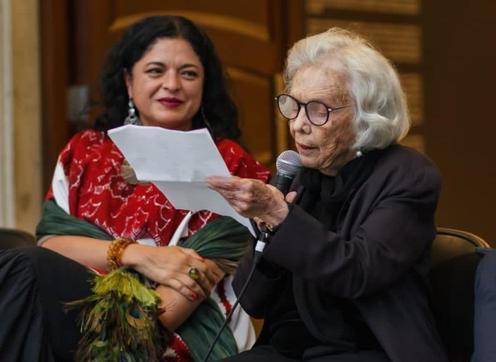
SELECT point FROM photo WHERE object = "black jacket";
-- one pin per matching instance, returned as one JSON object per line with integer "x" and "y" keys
{"x": 378, "y": 258}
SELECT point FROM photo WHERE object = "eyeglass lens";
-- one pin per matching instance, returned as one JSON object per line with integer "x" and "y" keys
{"x": 289, "y": 107}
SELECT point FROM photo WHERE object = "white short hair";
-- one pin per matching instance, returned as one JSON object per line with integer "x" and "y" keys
{"x": 381, "y": 112}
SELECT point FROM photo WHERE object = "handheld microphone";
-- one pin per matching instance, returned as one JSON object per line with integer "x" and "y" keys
{"x": 288, "y": 164}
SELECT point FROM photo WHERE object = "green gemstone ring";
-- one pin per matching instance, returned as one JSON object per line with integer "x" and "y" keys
{"x": 194, "y": 273}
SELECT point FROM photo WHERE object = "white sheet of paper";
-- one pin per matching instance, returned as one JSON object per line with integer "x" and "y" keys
{"x": 178, "y": 163}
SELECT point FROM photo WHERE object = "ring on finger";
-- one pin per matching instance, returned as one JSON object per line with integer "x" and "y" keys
{"x": 194, "y": 273}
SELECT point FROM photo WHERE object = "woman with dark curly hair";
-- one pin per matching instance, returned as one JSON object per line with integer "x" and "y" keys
{"x": 216, "y": 104}
{"x": 163, "y": 72}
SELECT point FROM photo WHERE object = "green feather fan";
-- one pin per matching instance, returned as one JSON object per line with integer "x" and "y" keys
{"x": 119, "y": 320}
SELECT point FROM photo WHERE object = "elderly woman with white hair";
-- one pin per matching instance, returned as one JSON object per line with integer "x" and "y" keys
{"x": 344, "y": 276}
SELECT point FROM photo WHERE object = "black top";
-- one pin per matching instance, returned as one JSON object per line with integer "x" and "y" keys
{"x": 368, "y": 245}
{"x": 324, "y": 197}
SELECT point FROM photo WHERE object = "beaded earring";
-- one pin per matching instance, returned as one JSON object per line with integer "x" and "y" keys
{"x": 131, "y": 114}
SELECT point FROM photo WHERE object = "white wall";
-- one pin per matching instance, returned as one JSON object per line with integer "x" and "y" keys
{"x": 7, "y": 207}
{"x": 20, "y": 115}
{"x": 27, "y": 112}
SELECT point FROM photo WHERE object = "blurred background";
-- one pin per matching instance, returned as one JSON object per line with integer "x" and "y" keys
{"x": 51, "y": 52}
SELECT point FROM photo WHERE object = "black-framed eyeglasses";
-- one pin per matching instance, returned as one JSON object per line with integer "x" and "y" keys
{"x": 317, "y": 112}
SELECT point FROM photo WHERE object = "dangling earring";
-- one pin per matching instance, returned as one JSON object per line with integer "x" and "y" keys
{"x": 358, "y": 153}
{"x": 205, "y": 120}
{"x": 131, "y": 114}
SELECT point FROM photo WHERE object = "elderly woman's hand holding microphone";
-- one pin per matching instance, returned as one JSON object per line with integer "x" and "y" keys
{"x": 253, "y": 198}
{"x": 264, "y": 203}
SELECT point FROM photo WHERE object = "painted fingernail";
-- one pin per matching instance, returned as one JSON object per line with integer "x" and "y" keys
{"x": 194, "y": 296}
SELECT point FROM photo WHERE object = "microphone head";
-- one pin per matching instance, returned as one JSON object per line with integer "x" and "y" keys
{"x": 288, "y": 163}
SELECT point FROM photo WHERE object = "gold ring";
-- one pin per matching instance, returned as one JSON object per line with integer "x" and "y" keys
{"x": 194, "y": 273}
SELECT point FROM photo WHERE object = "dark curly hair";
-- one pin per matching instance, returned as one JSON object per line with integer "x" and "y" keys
{"x": 218, "y": 106}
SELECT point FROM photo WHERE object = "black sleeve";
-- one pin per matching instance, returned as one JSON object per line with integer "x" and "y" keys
{"x": 386, "y": 243}
{"x": 262, "y": 286}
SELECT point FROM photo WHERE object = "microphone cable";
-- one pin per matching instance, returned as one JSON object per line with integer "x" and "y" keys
{"x": 260, "y": 245}
{"x": 288, "y": 164}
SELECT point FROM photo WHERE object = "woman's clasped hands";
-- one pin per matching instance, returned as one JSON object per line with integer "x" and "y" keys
{"x": 179, "y": 268}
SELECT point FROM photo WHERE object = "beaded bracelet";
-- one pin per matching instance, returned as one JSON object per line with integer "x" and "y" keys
{"x": 115, "y": 251}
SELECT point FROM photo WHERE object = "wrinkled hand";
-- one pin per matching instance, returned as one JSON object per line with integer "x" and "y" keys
{"x": 252, "y": 198}
{"x": 169, "y": 266}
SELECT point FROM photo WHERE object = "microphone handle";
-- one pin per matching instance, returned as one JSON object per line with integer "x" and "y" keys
{"x": 283, "y": 182}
